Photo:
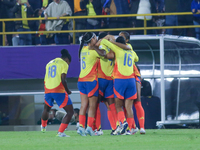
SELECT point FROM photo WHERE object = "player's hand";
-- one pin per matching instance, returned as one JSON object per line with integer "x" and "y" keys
{"x": 69, "y": 92}
{"x": 98, "y": 43}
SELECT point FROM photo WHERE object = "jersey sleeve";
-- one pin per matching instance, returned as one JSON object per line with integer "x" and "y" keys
{"x": 103, "y": 47}
{"x": 113, "y": 47}
{"x": 136, "y": 57}
{"x": 64, "y": 68}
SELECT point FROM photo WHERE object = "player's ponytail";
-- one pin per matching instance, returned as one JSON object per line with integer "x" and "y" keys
{"x": 65, "y": 54}
{"x": 87, "y": 37}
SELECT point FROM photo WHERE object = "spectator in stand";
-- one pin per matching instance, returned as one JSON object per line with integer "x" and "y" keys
{"x": 195, "y": 8}
{"x": 45, "y": 3}
{"x": 185, "y": 20}
{"x": 58, "y": 8}
{"x": 159, "y": 20}
{"x": 171, "y": 20}
{"x": 80, "y": 24}
{"x": 143, "y": 7}
{"x": 23, "y": 10}
{"x": 160, "y": 5}
{"x": 93, "y": 7}
{"x": 113, "y": 7}
{"x": 7, "y": 6}
{"x": 35, "y": 4}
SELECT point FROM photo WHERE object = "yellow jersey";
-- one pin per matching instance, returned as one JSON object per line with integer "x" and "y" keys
{"x": 137, "y": 73}
{"x": 124, "y": 61}
{"x": 105, "y": 66}
{"x": 89, "y": 61}
{"x": 52, "y": 80}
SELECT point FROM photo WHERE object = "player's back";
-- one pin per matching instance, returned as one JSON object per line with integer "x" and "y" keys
{"x": 124, "y": 60}
{"x": 89, "y": 60}
{"x": 52, "y": 79}
{"x": 105, "y": 66}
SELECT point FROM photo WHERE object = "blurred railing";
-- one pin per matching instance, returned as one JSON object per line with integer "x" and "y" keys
{"x": 145, "y": 28}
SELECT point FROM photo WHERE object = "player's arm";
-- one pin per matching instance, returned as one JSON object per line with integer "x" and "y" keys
{"x": 110, "y": 55}
{"x": 63, "y": 77}
{"x": 101, "y": 52}
{"x": 122, "y": 46}
{"x": 136, "y": 57}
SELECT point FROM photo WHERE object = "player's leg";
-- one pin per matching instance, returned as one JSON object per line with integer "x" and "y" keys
{"x": 44, "y": 118}
{"x": 47, "y": 107}
{"x": 129, "y": 112}
{"x": 82, "y": 113}
{"x": 63, "y": 101}
{"x": 130, "y": 94}
{"x": 92, "y": 89}
{"x": 91, "y": 114}
{"x": 109, "y": 94}
{"x": 83, "y": 109}
{"x": 66, "y": 119}
{"x": 138, "y": 106}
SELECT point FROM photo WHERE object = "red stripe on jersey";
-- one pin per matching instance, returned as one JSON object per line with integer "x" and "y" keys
{"x": 117, "y": 75}
{"x": 136, "y": 72}
{"x": 92, "y": 75}
{"x": 59, "y": 89}
{"x": 101, "y": 74}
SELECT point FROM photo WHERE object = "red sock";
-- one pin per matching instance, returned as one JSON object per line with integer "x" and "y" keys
{"x": 111, "y": 120}
{"x": 44, "y": 122}
{"x": 121, "y": 116}
{"x": 82, "y": 121}
{"x": 140, "y": 113}
{"x": 98, "y": 118}
{"x": 114, "y": 112}
{"x": 133, "y": 125}
{"x": 94, "y": 124}
{"x": 90, "y": 121}
{"x": 130, "y": 122}
{"x": 62, "y": 127}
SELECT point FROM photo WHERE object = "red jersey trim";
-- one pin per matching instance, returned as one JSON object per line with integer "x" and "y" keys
{"x": 91, "y": 76}
{"x": 117, "y": 75}
{"x": 59, "y": 89}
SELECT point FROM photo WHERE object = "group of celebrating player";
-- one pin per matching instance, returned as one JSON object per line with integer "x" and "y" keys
{"x": 108, "y": 70}
{"x": 108, "y": 74}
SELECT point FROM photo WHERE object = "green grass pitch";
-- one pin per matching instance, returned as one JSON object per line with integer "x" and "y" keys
{"x": 163, "y": 139}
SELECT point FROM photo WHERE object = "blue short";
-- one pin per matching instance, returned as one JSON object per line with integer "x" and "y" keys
{"x": 106, "y": 88}
{"x": 62, "y": 99}
{"x": 89, "y": 88}
{"x": 125, "y": 88}
{"x": 138, "y": 79}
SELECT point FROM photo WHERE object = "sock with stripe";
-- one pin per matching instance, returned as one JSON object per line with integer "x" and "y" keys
{"x": 140, "y": 113}
{"x": 90, "y": 121}
{"x": 114, "y": 113}
{"x": 111, "y": 120}
{"x": 82, "y": 119}
{"x": 121, "y": 116}
{"x": 98, "y": 118}
{"x": 130, "y": 122}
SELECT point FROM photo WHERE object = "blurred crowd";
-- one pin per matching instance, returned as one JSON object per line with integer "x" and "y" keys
{"x": 60, "y": 8}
